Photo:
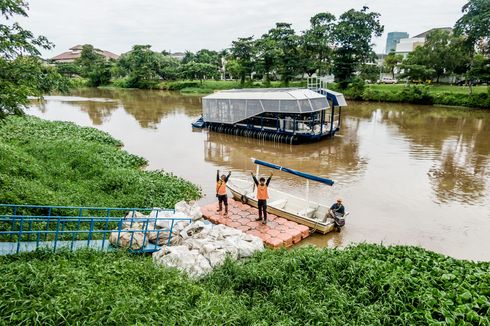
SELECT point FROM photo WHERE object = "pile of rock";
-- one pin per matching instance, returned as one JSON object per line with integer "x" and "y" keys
{"x": 196, "y": 247}
{"x": 205, "y": 246}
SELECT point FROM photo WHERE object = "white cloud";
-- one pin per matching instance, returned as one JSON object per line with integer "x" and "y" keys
{"x": 179, "y": 25}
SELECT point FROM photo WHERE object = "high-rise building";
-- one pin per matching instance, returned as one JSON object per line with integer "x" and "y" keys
{"x": 393, "y": 39}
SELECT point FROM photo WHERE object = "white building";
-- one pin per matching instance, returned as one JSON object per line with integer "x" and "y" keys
{"x": 407, "y": 45}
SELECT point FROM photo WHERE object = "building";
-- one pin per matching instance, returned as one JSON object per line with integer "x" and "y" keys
{"x": 178, "y": 55}
{"x": 76, "y": 51}
{"x": 393, "y": 39}
{"x": 407, "y": 45}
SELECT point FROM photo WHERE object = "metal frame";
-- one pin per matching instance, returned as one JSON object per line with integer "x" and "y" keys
{"x": 30, "y": 227}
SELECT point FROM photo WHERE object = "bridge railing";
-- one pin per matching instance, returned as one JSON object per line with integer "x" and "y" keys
{"x": 30, "y": 227}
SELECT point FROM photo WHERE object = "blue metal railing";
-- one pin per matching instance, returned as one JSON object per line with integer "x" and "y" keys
{"x": 29, "y": 227}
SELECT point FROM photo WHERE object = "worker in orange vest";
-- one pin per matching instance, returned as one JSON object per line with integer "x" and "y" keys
{"x": 262, "y": 196}
{"x": 221, "y": 191}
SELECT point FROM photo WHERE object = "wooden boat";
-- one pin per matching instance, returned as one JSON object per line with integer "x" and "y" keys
{"x": 293, "y": 208}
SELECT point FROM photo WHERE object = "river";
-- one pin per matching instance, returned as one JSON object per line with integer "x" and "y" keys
{"x": 412, "y": 175}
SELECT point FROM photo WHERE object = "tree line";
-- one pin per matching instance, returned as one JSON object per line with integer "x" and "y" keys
{"x": 331, "y": 45}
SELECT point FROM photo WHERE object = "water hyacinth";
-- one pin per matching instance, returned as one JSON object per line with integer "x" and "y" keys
{"x": 360, "y": 285}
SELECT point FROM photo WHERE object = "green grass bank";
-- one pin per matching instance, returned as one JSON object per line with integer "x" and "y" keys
{"x": 360, "y": 285}
{"x": 60, "y": 163}
{"x": 438, "y": 94}
{"x": 446, "y": 95}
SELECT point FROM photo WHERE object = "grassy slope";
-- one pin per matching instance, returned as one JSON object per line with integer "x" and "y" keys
{"x": 362, "y": 285}
{"x": 59, "y": 163}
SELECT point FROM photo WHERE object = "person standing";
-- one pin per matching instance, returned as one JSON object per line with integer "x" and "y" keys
{"x": 221, "y": 191}
{"x": 262, "y": 196}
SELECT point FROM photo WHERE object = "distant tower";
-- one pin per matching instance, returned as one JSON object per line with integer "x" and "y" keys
{"x": 393, "y": 39}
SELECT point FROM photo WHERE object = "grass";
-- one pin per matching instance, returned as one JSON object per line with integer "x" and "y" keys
{"x": 60, "y": 163}
{"x": 361, "y": 285}
{"x": 432, "y": 88}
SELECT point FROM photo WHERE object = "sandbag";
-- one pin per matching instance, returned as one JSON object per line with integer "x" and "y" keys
{"x": 180, "y": 257}
{"x": 136, "y": 240}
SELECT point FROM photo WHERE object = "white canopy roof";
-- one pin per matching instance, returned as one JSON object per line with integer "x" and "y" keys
{"x": 266, "y": 94}
{"x": 235, "y": 105}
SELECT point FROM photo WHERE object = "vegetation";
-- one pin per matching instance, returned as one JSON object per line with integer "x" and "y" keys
{"x": 419, "y": 94}
{"x": 362, "y": 285}
{"x": 22, "y": 72}
{"x": 59, "y": 163}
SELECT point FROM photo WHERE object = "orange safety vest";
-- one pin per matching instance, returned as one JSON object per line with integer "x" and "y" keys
{"x": 262, "y": 192}
{"x": 221, "y": 188}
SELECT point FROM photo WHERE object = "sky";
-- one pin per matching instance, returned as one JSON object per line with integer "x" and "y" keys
{"x": 179, "y": 25}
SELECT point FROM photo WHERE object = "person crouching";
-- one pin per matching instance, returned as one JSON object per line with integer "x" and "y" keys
{"x": 221, "y": 191}
{"x": 262, "y": 196}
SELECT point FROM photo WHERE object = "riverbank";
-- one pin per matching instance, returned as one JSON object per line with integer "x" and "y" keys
{"x": 421, "y": 94}
{"x": 60, "y": 163}
{"x": 364, "y": 284}
{"x": 448, "y": 95}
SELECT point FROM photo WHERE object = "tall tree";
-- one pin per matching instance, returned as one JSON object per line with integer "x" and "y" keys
{"x": 317, "y": 44}
{"x": 141, "y": 66}
{"x": 392, "y": 61}
{"x": 443, "y": 53}
{"x": 22, "y": 72}
{"x": 353, "y": 34}
{"x": 243, "y": 51}
{"x": 94, "y": 66}
{"x": 286, "y": 42}
{"x": 199, "y": 70}
{"x": 474, "y": 25}
{"x": 267, "y": 57}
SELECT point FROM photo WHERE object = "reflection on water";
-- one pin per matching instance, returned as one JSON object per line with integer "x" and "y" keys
{"x": 409, "y": 174}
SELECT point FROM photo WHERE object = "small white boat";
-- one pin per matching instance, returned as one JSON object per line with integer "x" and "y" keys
{"x": 293, "y": 208}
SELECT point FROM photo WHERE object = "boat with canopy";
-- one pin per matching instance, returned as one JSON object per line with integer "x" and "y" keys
{"x": 294, "y": 208}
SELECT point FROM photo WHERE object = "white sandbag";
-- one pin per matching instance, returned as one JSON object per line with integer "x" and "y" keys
{"x": 136, "y": 240}
{"x": 180, "y": 257}
{"x": 158, "y": 236}
{"x": 245, "y": 248}
{"x": 193, "y": 229}
{"x": 190, "y": 210}
{"x": 132, "y": 222}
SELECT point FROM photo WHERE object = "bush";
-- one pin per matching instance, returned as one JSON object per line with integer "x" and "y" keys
{"x": 416, "y": 94}
{"x": 179, "y": 85}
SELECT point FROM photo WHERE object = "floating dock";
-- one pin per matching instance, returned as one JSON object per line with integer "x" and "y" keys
{"x": 286, "y": 115}
{"x": 277, "y": 233}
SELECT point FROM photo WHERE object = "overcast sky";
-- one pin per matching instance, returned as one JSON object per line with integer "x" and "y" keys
{"x": 179, "y": 25}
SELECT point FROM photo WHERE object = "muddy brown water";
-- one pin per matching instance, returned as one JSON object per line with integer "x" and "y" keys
{"x": 413, "y": 175}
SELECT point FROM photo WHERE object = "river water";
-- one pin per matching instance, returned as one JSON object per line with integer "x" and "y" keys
{"x": 414, "y": 175}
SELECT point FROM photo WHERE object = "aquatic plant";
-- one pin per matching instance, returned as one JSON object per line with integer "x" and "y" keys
{"x": 360, "y": 285}
{"x": 60, "y": 163}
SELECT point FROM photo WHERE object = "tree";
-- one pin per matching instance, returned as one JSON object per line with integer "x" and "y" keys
{"x": 316, "y": 44}
{"x": 94, "y": 66}
{"x": 267, "y": 57}
{"x": 233, "y": 68}
{"x": 474, "y": 25}
{"x": 243, "y": 52}
{"x": 22, "y": 72}
{"x": 353, "y": 34}
{"x": 416, "y": 72}
{"x": 199, "y": 70}
{"x": 169, "y": 67}
{"x": 392, "y": 62}
{"x": 141, "y": 66}
{"x": 286, "y": 43}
